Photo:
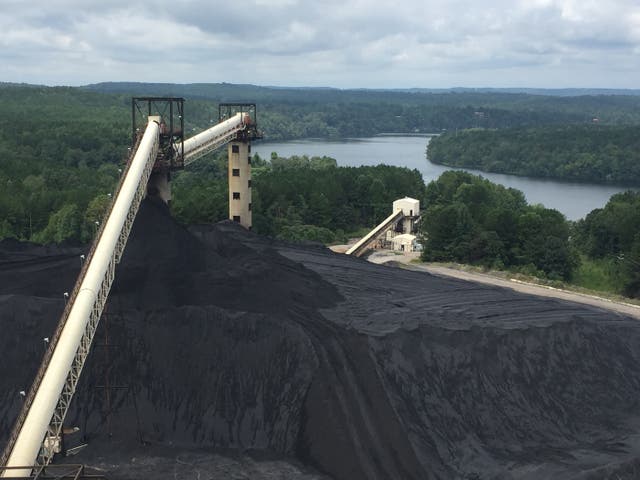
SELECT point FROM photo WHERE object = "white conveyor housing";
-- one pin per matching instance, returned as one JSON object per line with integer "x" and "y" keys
{"x": 361, "y": 246}
{"x": 37, "y": 432}
{"x": 214, "y": 137}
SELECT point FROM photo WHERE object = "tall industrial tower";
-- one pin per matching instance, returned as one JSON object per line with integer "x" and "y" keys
{"x": 240, "y": 182}
{"x": 239, "y": 154}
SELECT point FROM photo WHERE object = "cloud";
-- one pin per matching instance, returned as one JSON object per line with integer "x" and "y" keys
{"x": 346, "y": 43}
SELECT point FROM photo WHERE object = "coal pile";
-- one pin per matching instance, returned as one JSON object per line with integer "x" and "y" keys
{"x": 223, "y": 354}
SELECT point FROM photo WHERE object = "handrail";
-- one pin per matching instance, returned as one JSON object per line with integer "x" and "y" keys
{"x": 58, "y": 472}
{"x": 211, "y": 138}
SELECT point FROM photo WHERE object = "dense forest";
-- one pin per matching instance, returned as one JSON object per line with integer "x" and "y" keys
{"x": 587, "y": 153}
{"x": 286, "y": 113}
{"x": 60, "y": 151}
{"x": 470, "y": 220}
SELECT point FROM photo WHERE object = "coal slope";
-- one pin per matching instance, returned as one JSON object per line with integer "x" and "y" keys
{"x": 226, "y": 355}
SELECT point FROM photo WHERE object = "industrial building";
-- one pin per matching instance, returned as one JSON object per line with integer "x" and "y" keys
{"x": 401, "y": 224}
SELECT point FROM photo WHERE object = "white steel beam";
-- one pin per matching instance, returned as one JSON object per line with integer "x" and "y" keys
{"x": 212, "y": 138}
{"x": 359, "y": 248}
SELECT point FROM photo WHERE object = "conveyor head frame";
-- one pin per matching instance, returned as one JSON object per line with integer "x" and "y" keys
{"x": 171, "y": 111}
{"x": 228, "y": 110}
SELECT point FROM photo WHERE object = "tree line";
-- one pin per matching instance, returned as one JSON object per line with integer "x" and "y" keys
{"x": 611, "y": 236}
{"x": 287, "y": 113}
{"x": 587, "y": 153}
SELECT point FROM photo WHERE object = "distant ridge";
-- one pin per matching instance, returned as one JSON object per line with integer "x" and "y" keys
{"x": 554, "y": 92}
{"x": 207, "y": 90}
{"x": 320, "y": 112}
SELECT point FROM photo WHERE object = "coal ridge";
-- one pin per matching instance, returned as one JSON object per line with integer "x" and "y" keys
{"x": 216, "y": 340}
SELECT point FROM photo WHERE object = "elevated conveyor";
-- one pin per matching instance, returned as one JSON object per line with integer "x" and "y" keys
{"x": 365, "y": 242}
{"x": 37, "y": 432}
{"x": 213, "y": 138}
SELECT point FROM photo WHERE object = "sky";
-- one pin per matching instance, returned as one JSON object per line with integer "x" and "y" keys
{"x": 333, "y": 43}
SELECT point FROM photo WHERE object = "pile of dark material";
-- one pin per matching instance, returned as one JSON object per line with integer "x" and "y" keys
{"x": 226, "y": 355}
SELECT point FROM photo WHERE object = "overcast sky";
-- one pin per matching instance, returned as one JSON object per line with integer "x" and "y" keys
{"x": 336, "y": 43}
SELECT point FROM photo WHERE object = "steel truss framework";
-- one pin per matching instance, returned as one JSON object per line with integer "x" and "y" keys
{"x": 57, "y": 472}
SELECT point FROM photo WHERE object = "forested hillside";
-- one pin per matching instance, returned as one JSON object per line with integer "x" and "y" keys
{"x": 286, "y": 113}
{"x": 60, "y": 150}
{"x": 587, "y": 153}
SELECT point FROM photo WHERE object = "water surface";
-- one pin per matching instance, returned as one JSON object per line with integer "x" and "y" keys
{"x": 574, "y": 200}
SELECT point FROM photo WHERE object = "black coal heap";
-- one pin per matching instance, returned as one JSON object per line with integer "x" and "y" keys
{"x": 227, "y": 353}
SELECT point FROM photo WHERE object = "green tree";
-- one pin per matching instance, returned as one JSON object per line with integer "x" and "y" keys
{"x": 631, "y": 269}
{"x": 97, "y": 209}
{"x": 299, "y": 233}
{"x": 64, "y": 225}
{"x": 472, "y": 220}
{"x": 449, "y": 231}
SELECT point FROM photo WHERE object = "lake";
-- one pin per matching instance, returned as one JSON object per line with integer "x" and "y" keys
{"x": 574, "y": 200}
